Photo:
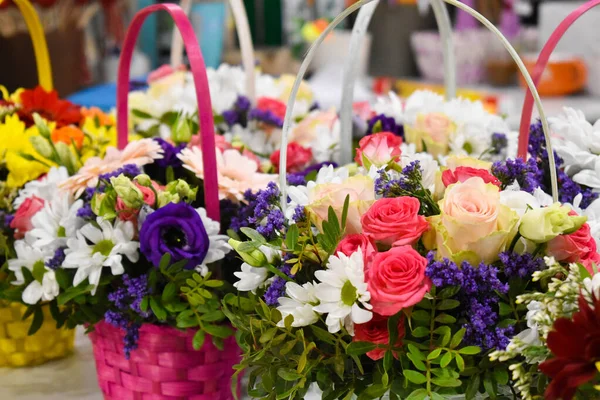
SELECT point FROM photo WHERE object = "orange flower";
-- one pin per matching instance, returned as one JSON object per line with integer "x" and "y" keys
{"x": 94, "y": 112}
{"x": 68, "y": 135}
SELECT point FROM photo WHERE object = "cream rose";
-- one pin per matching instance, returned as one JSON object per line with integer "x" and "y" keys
{"x": 473, "y": 224}
{"x": 432, "y": 131}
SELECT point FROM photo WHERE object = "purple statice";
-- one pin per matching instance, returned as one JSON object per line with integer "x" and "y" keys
{"x": 499, "y": 143}
{"x": 246, "y": 211}
{"x": 119, "y": 298}
{"x": 277, "y": 287}
{"x": 261, "y": 212}
{"x": 381, "y": 123}
{"x": 296, "y": 179}
{"x": 6, "y": 219}
{"x": 443, "y": 273}
{"x": 274, "y": 223}
{"x": 520, "y": 265}
{"x": 137, "y": 289}
{"x": 86, "y": 212}
{"x": 317, "y": 167}
{"x": 57, "y": 259}
{"x": 265, "y": 116}
{"x": 315, "y": 106}
{"x": 231, "y": 117}
{"x": 242, "y": 103}
{"x": 408, "y": 182}
{"x": 170, "y": 153}
{"x": 130, "y": 170}
{"x": 526, "y": 174}
{"x": 299, "y": 214}
{"x": 132, "y": 330}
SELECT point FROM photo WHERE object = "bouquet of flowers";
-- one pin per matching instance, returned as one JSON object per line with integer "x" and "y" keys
{"x": 380, "y": 282}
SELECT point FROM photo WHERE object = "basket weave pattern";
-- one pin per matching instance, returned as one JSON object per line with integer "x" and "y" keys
{"x": 19, "y": 350}
{"x": 165, "y": 365}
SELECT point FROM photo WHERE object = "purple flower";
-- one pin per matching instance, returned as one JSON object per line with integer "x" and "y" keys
{"x": 520, "y": 265}
{"x": 242, "y": 103}
{"x": 231, "y": 117}
{"x": 176, "y": 229}
{"x": 277, "y": 287}
{"x": 381, "y": 123}
{"x": 499, "y": 143}
{"x": 130, "y": 170}
{"x": 265, "y": 116}
{"x": 169, "y": 154}
{"x": 56, "y": 260}
{"x": 86, "y": 212}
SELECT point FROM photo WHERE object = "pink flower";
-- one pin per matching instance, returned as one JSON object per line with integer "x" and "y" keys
{"x": 395, "y": 221}
{"x": 277, "y": 107}
{"x": 149, "y": 195}
{"x": 220, "y": 142}
{"x": 376, "y": 331}
{"x": 21, "y": 223}
{"x": 306, "y": 131}
{"x": 396, "y": 280}
{"x": 363, "y": 110}
{"x": 125, "y": 213}
{"x": 249, "y": 154}
{"x": 298, "y": 158}
{"x": 351, "y": 243}
{"x": 163, "y": 72}
{"x": 579, "y": 247}
{"x": 461, "y": 174}
{"x": 379, "y": 149}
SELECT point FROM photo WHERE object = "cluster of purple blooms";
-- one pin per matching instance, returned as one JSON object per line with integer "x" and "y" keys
{"x": 499, "y": 143}
{"x": 170, "y": 153}
{"x": 480, "y": 290}
{"x": 56, "y": 261}
{"x": 381, "y": 123}
{"x": 266, "y": 116}
{"x": 277, "y": 287}
{"x": 126, "y": 299}
{"x": 409, "y": 181}
{"x": 238, "y": 114}
{"x": 261, "y": 212}
{"x": 525, "y": 173}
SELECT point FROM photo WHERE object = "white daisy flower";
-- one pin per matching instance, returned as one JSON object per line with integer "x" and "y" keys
{"x": 218, "y": 245}
{"x": 56, "y": 222}
{"x": 27, "y": 257}
{"x": 326, "y": 145}
{"x": 299, "y": 304}
{"x": 108, "y": 246}
{"x": 47, "y": 290}
{"x": 250, "y": 278}
{"x": 342, "y": 291}
{"x": 33, "y": 258}
{"x": 390, "y": 106}
{"x": 44, "y": 188}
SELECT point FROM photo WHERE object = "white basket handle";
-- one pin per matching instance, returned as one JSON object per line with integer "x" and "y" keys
{"x": 310, "y": 55}
{"x": 244, "y": 36}
{"x": 351, "y": 68}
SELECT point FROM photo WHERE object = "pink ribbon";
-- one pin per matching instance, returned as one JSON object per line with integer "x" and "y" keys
{"x": 540, "y": 66}
{"x": 198, "y": 68}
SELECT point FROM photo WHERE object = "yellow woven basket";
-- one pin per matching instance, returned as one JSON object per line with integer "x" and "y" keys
{"x": 17, "y": 349}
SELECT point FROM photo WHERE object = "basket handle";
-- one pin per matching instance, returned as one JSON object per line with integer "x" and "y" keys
{"x": 211, "y": 189}
{"x": 40, "y": 47}
{"x": 244, "y": 36}
{"x": 351, "y": 68}
{"x": 309, "y": 56}
{"x": 538, "y": 71}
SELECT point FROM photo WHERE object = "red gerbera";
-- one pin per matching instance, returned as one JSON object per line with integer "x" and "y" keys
{"x": 575, "y": 344}
{"x": 49, "y": 107}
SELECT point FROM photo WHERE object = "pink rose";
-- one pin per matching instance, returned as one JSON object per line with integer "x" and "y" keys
{"x": 395, "y": 221}
{"x": 298, "y": 158}
{"x": 351, "y": 243}
{"x": 379, "y": 149}
{"x": 124, "y": 213}
{"x": 21, "y": 223}
{"x": 579, "y": 247}
{"x": 461, "y": 174}
{"x": 396, "y": 280}
{"x": 149, "y": 195}
{"x": 376, "y": 331}
{"x": 276, "y": 107}
{"x": 163, "y": 72}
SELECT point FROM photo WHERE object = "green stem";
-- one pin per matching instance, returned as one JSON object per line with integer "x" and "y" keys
{"x": 431, "y": 329}
{"x": 514, "y": 241}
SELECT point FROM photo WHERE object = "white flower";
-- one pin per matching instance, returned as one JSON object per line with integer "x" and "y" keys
{"x": 341, "y": 292}
{"x": 519, "y": 201}
{"x": 34, "y": 258}
{"x": 250, "y": 278}
{"x": 109, "y": 244}
{"x": 218, "y": 245}
{"x": 534, "y": 308}
{"x": 27, "y": 257}
{"x": 299, "y": 304}
{"x": 422, "y": 102}
{"x": 45, "y": 291}
{"x": 390, "y": 106}
{"x": 56, "y": 222}
{"x": 429, "y": 166}
{"x": 326, "y": 147}
{"x": 44, "y": 188}
{"x": 592, "y": 285}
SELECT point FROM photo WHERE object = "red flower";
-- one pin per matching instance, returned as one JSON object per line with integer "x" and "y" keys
{"x": 275, "y": 106}
{"x": 376, "y": 331}
{"x": 298, "y": 158}
{"x": 578, "y": 247}
{"x": 575, "y": 344}
{"x": 461, "y": 174}
{"x": 49, "y": 107}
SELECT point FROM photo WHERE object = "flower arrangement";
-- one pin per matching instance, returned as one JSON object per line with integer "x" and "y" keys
{"x": 378, "y": 282}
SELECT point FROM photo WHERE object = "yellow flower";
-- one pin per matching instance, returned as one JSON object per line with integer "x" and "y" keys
{"x": 431, "y": 131}
{"x": 99, "y": 138}
{"x": 286, "y": 82}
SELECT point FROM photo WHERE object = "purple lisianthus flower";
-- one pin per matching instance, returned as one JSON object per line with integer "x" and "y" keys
{"x": 176, "y": 229}
{"x": 169, "y": 154}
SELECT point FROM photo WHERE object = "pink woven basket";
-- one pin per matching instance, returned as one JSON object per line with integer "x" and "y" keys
{"x": 165, "y": 365}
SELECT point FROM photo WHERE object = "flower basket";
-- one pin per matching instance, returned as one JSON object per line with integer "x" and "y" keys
{"x": 17, "y": 349}
{"x": 164, "y": 366}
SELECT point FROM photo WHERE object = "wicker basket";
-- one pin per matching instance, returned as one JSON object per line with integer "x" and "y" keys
{"x": 165, "y": 365}
{"x": 19, "y": 350}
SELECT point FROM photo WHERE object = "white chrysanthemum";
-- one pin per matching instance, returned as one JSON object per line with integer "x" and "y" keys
{"x": 592, "y": 285}
{"x": 429, "y": 166}
{"x": 254, "y": 138}
{"x": 47, "y": 290}
{"x": 27, "y": 257}
{"x": 299, "y": 303}
{"x": 250, "y": 278}
{"x": 343, "y": 291}
{"x": 56, "y": 222}
{"x": 218, "y": 245}
{"x": 109, "y": 243}
{"x": 422, "y": 102}
{"x": 44, "y": 188}
{"x": 326, "y": 145}
{"x": 34, "y": 258}
{"x": 390, "y": 106}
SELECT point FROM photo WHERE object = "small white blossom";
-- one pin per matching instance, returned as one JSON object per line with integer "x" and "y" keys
{"x": 299, "y": 303}
{"x": 250, "y": 278}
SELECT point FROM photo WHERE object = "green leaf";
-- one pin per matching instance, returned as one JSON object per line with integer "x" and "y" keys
{"x": 62, "y": 278}
{"x": 191, "y": 283}
{"x": 501, "y": 375}
{"x": 254, "y": 235}
{"x": 392, "y": 326}
{"x": 213, "y": 316}
{"x": 489, "y": 386}
{"x": 169, "y": 292}
{"x": 434, "y": 354}
{"x": 421, "y": 316}
{"x": 446, "y": 359}
{"x": 219, "y": 331}
{"x": 446, "y": 382}
{"x": 460, "y": 362}
{"x": 36, "y": 323}
{"x": 39, "y": 269}
{"x": 359, "y": 348}
{"x": 415, "y": 377}
{"x": 388, "y": 360}
{"x": 286, "y": 348}
{"x": 141, "y": 114}
{"x": 583, "y": 272}
{"x": 415, "y": 351}
{"x": 505, "y": 309}
{"x": 71, "y": 293}
{"x": 448, "y": 292}
{"x": 437, "y": 396}
{"x": 470, "y": 350}
{"x": 420, "y": 332}
{"x": 373, "y": 392}
{"x": 447, "y": 304}
{"x": 457, "y": 338}
{"x": 268, "y": 335}
{"x": 472, "y": 388}
{"x": 445, "y": 319}
{"x": 197, "y": 277}
{"x": 198, "y": 340}
{"x": 419, "y": 394}
{"x": 322, "y": 334}
{"x": 165, "y": 260}
{"x": 291, "y": 239}
{"x": 214, "y": 283}
{"x": 288, "y": 374}
{"x": 158, "y": 309}
{"x": 345, "y": 212}
{"x": 507, "y": 322}
{"x": 418, "y": 363}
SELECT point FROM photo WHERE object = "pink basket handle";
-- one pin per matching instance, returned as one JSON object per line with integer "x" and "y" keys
{"x": 209, "y": 158}
{"x": 540, "y": 66}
